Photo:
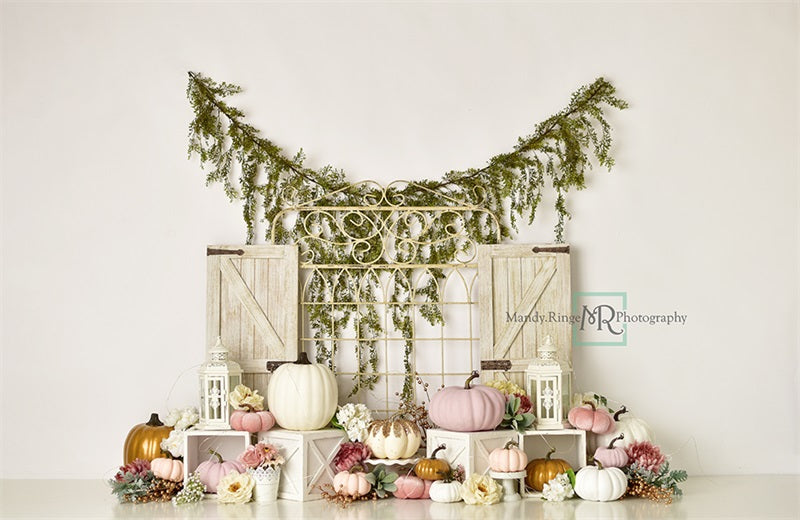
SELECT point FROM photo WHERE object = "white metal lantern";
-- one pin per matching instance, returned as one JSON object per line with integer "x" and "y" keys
{"x": 549, "y": 383}
{"x": 218, "y": 376}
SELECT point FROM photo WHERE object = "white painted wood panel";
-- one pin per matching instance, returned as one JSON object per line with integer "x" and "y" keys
{"x": 523, "y": 280}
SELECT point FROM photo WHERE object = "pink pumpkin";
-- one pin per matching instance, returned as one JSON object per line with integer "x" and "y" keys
{"x": 412, "y": 487}
{"x": 468, "y": 408}
{"x": 612, "y": 457}
{"x": 588, "y": 417}
{"x": 211, "y": 471}
{"x": 252, "y": 422}
{"x": 167, "y": 469}
{"x": 508, "y": 459}
{"x": 351, "y": 484}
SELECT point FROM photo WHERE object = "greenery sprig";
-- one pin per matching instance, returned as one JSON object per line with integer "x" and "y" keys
{"x": 487, "y": 203}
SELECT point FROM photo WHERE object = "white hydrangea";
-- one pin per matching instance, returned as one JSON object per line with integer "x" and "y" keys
{"x": 182, "y": 419}
{"x": 354, "y": 418}
{"x": 558, "y": 489}
{"x": 174, "y": 443}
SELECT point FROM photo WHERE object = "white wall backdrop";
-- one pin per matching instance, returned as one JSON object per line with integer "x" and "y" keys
{"x": 105, "y": 220}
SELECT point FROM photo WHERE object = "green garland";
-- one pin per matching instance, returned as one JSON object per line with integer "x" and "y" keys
{"x": 509, "y": 186}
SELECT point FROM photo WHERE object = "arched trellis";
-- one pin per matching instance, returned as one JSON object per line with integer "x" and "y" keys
{"x": 374, "y": 306}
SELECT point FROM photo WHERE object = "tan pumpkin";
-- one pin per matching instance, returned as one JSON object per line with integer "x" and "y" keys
{"x": 393, "y": 438}
{"x": 508, "y": 459}
{"x": 144, "y": 440}
{"x": 541, "y": 471}
{"x": 432, "y": 468}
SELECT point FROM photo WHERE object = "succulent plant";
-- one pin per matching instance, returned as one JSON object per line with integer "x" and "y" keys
{"x": 382, "y": 480}
{"x": 513, "y": 418}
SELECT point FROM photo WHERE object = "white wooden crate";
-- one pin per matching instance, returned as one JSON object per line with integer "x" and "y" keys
{"x": 570, "y": 445}
{"x": 470, "y": 449}
{"x": 308, "y": 460}
{"x": 228, "y": 443}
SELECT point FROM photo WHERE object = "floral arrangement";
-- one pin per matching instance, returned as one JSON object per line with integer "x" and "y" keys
{"x": 191, "y": 493}
{"x": 560, "y": 487}
{"x": 235, "y": 488}
{"x": 351, "y": 454}
{"x": 649, "y": 475}
{"x": 518, "y": 416}
{"x": 135, "y": 482}
{"x": 353, "y": 419}
{"x": 261, "y": 455}
{"x": 181, "y": 419}
{"x": 243, "y": 398}
{"x": 481, "y": 490}
{"x": 506, "y": 387}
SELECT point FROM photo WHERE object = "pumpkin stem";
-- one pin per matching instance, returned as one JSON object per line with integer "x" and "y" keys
{"x": 302, "y": 359}
{"x": 615, "y": 439}
{"x": 511, "y": 443}
{"x": 547, "y": 457}
{"x": 620, "y": 412}
{"x": 474, "y": 375}
{"x": 154, "y": 420}
{"x": 598, "y": 464}
{"x": 437, "y": 450}
{"x": 248, "y": 408}
{"x": 591, "y": 403}
{"x": 216, "y": 454}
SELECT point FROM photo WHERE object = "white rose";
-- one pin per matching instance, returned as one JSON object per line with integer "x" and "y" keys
{"x": 235, "y": 488}
{"x": 481, "y": 490}
{"x": 173, "y": 443}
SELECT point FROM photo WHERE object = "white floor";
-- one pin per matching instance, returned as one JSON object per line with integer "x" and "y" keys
{"x": 752, "y": 497}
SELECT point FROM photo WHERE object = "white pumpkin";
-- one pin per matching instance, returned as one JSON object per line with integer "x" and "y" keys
{"x": 445, "y": 492}
{"x": 600, "y": 484}
{"x": 302, "y": 395}
{"x": 635, "y": 430}
{"x": 393, "y": 438}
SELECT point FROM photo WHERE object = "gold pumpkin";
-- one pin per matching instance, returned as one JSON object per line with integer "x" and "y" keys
{"x": 432, "y": 468}
{"x": 541, "y": 471}
{"x": 144, "y": 440}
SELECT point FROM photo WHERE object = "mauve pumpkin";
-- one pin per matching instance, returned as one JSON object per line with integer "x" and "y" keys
{"x": 168, "y": 469}
{"x": 508, "y": 459}
{"x": 351, "y": 484}
{"x": 587, "y": 417}
{"x": 211, "y": 471}
{"x": 412, "y": 487}
{"x": 252, "y": 422}
{"x": 468, "y": 408}
{"x": 610, "y": 456}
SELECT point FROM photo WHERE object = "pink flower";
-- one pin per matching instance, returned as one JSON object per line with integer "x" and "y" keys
{"x": 252, "y": 457}
{"x": 645, "y": 455}
{"x": 524, "y": 403}
{"x": 350, "y": 454}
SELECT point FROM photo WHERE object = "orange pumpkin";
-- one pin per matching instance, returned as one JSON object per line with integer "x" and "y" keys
{"x": 144, "y": 440}
{"x": 432, "y": 468}
{"x": 541, "y": 471}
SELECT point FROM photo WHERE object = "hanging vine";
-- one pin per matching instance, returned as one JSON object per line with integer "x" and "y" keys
{"x": 252, "y": 168}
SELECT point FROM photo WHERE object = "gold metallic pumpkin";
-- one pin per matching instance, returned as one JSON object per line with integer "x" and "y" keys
{"x": 541, "y": 471}
{"x": 433, "y": 468}
{"x": 144, "y": 440}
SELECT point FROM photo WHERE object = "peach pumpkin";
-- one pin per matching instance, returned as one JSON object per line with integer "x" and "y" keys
{"x": 351, "y": 484}
{"x": 252, "y": 422}
{"x": 588, "y": 417}
{"x": 508, "y": 459}
{"x": 468, "y": 408}
{"x": 610, "y": 456}
{"x": 167, "y": 469}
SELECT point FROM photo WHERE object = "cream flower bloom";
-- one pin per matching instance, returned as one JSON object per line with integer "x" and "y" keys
{"x": 242, "y": 398}
{"x": 174, "y": 443}
{"x": 481, "y": 490}
{"x": 355, "y": 419}
{"x": 235, "y": 488}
